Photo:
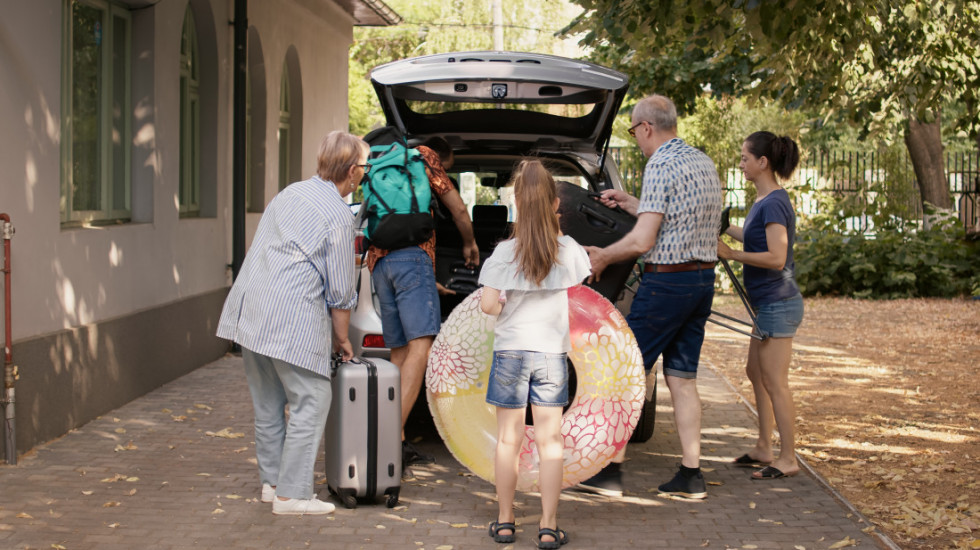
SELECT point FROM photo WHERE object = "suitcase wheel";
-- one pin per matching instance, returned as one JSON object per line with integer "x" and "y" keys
{"x": 350, "y": 501}
{"x": 391, "y": 499}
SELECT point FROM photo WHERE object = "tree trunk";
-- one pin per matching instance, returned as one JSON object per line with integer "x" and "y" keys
{"x": 924, "y": 143}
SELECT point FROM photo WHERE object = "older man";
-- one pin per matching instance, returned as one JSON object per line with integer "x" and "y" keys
{"x": 679, "y": 213}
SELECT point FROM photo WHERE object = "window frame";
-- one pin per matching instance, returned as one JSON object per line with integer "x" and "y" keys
{"x": 189, "y": 191}
{"x": 284, "y": 132}
{"x": 107, "y": 100}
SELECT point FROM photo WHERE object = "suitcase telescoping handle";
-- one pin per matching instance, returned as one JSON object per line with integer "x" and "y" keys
{"x": 338, "y": 359}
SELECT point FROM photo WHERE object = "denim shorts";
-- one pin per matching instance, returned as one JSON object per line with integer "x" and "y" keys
{"x": 668, "y": 317}
{"x": 780, "y": 319}
{"x": 406, "y": 288}
{"x": 517, "y": 377}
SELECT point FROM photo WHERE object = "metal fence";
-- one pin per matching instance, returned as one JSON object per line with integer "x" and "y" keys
{"x": 862, "y": 177}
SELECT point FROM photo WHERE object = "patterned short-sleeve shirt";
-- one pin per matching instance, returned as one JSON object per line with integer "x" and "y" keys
{"x": 681, "y": 182}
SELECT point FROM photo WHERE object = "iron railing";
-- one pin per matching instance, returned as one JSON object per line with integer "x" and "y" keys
{"x": 860, "y": 176}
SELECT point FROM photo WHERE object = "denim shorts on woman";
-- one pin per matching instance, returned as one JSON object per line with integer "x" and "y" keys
{"x": 406, "y": 288}
{"x": 517, "y": 377}
{"x": 780, "y": 319}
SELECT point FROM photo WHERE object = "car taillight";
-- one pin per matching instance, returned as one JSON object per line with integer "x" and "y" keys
{"x": 373, "y": 341}
{"x": 360, "y": 244}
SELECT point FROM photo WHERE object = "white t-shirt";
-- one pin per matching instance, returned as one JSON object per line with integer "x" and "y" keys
{"x": 535, "y": 317}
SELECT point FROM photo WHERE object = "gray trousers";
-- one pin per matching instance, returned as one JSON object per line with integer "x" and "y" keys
{"x": 286, "y": 445}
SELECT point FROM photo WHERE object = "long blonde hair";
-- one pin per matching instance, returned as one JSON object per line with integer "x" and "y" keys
{"x": 536, "y": 229}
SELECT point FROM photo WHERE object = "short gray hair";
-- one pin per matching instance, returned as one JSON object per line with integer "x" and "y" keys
{"x": 658, "y": 111}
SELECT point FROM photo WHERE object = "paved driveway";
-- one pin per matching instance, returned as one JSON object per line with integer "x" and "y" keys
{"x": 175, "y": 469}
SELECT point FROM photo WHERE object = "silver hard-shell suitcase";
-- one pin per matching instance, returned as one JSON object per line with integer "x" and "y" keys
{"x": 363, "y": 434}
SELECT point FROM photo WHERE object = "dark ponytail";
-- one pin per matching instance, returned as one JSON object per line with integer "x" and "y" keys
{"x": 782, "y": 152}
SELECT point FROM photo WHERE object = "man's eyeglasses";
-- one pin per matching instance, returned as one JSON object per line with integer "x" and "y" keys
{"x": 366, "y": 167}
{"x": 632, "y": 130}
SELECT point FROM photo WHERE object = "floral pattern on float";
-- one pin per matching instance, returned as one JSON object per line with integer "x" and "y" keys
{"x": 603, "y": 411}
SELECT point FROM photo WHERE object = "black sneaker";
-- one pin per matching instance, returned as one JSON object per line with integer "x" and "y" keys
{"x": 412, "y": 455}
{"x": 608, "y": 482}
{"x": 688, "y": 487}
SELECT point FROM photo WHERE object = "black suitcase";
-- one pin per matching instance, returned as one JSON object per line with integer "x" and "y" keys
{"x": 591, "y": 223}
{"x": 363, "y": 448}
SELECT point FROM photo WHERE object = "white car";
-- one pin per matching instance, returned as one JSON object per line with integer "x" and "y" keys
{"x": 495, "y": 108}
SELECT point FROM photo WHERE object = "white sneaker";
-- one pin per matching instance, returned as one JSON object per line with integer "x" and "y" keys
{"x": 299, "y": 507}
{"x": 268, "y": 492}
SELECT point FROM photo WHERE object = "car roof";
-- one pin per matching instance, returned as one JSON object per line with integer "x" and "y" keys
{"x": 481, "y": 99}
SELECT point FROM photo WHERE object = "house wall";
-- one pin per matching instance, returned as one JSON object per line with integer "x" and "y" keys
{"x": 102, "y": 315}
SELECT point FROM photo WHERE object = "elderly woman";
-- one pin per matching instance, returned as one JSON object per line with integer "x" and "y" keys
{"x": 295, "y": 290}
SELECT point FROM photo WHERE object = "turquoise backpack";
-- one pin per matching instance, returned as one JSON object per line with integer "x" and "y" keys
{"x": 397, "y": 197}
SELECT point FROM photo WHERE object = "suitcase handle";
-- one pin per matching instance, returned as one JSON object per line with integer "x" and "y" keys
{"x": 337, "y": 359}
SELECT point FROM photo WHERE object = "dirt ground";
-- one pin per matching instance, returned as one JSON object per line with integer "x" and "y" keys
{"x": 887, "y": 406}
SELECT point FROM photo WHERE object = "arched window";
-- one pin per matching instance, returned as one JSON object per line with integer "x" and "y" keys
{"x": 190, "y": 120}
{"x": 285, "y": 152}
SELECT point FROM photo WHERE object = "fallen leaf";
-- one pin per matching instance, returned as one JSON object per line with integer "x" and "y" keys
{"x": 58, "y": 547}
{"x": 166, "y": 411}
{"x": 112, "y": 504}
{"x": 202, "y": 406}
{"x": 225, "y": 433}
{"x": 131, "y": 493}
{"x": 87, "y": 493}
{"x": 380, "y": 527}
{"x": 113, "y": 525}
{"x": 752, "y": 506}
{"x": 202, "y": 474}
{"x": 846, "y": 541}
{"x": 22, "y": 515}
{"x": 445, "y": 547}
{"x": 233, "y": 497}
{"x": 459, "y": 525}
{"x": 179, "y": 418}
{"x": 132, "y": 479}
{"x": 218, "y": 511}
{"x": 120, "y": 430}
{"x": 716, "y": 483}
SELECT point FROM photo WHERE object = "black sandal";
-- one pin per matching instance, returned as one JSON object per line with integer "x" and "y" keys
{"x": 496, "y": 527}
{"x": 746, "y": 461}
{"x": 558, "y": 534}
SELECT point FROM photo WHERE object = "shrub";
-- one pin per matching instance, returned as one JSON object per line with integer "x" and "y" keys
{"x": 901, "y": 261}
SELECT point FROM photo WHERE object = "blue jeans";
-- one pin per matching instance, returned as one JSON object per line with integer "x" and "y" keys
{"x": 286, "y": 451}
{"x": 668, "y": 317}
{"x": 406, "y": 287}
{"x": 517, "y": 377}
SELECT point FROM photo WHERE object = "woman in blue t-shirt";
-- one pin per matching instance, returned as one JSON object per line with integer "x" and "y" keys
{"x": 767, "y": 258}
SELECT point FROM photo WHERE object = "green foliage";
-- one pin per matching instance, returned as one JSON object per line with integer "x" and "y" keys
{"x": 900, "y": 261}
{"x": 437, "y": 26}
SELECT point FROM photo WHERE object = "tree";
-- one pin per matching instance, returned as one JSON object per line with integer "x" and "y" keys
{"x": 434, "y": 26}
{"x": 884, "y": 64}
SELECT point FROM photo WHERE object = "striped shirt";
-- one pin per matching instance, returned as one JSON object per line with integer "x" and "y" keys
{"x": 682, "y": 183}
{"x": 300, "y": 264}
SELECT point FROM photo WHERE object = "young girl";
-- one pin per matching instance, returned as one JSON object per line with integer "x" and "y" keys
{"x": 533, "y": 270}
{"x": 767, "y": 256}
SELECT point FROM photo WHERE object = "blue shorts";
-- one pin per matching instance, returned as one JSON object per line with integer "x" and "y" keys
{"x": 406, "y": 288}
{"x": 517, "y": 377}
{"x": 668, "y": 317}
{"x": 780, "y": 319}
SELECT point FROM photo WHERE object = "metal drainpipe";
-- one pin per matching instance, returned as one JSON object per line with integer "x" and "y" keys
{"x": 9, "y": 369}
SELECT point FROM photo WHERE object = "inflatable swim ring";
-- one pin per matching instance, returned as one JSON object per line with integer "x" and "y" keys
{"x": 602, "y": 414}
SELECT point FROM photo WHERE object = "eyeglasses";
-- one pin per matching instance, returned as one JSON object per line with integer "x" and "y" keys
{"x": 632, "y": 130}
{"x": 366, "y": 167}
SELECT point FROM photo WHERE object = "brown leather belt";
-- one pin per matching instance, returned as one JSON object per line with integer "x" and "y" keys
{"x": 676, "y": 268}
